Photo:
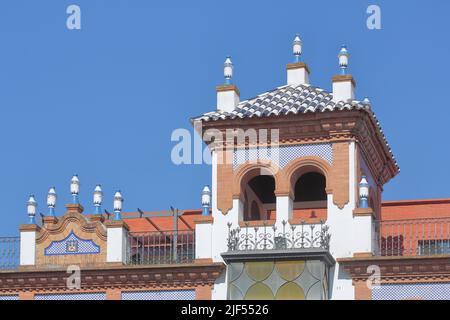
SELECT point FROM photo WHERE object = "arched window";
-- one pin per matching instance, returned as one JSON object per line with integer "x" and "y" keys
{"x": 254, "y": 212}
{"x": 310, "y": 187}
{"x": 310, "y": 197}
{"x": 260, "y": 198}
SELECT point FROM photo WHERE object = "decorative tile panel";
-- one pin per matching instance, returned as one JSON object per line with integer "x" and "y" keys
{"x": 280, "y": 280}
{"x": 72, "y": 296}
{"x": 9, "y": 297}
{"x": 71, "y": 245}
{"x": 159, "y": 295}
{"x": 417, "y": 291}
{"x": 284, "y": 154}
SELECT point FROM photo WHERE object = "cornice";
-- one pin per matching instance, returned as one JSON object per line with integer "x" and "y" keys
{"x": 131, "y": 277}
{"x": 400, "y": 269}
{"x": 348, "y": 125}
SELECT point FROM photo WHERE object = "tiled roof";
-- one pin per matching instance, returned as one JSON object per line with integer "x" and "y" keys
{"x": 149, "y": 222}
{"x": 292, "y": 99}
{"x": 285, "y": 100}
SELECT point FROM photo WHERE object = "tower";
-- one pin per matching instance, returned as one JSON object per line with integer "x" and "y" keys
{"x": 292, "y": 159}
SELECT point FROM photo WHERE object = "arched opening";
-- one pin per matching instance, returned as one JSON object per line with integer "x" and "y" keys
{"x": 255, "y": 214}
{"x": 310, "y": 187}
{"x": 260, "y": 199}
{"x": 310, "y": 196}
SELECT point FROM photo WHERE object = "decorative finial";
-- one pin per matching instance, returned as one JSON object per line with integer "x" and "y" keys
{"x": 31, "y": 209}
{"x": 366, "y": 100}
{"x": 228, "y": 70}
{"x": 118, "y": 200}
{"x": 206, "y": 200}
{"x": 297, "y": 47}
{"x": 363, "y": 193}
{"x": 75, "y": 188}
{"x": 51, "y": 201}
{"x": 343, "y": 59}
{"x": 98, "y": 199}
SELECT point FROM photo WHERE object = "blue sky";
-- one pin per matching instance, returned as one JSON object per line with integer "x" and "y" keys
{"x": 103, "y": 101}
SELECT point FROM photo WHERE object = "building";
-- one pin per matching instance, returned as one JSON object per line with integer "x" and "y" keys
{"x": 295, "y": 211}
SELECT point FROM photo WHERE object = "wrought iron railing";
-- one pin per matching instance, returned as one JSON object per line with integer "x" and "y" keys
{"x": 413, "y": 237}
{"x": 160, "y": 247}
{"x": 9, "y": 253}
{"x": 267, "y": 237}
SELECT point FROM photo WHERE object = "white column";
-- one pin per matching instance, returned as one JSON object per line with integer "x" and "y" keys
{"x": 284, "y": 206}
{"x": 28, "y": 244}
{"x": 116, "y": 244}
{"x": 363, "y": 235}
{"x": 297, "y": 73}
{"x": 343, "y": 88}
{"x": 227, "y": 98}
{"x": 203, "y": 238}
{"x": 363, "y": 231}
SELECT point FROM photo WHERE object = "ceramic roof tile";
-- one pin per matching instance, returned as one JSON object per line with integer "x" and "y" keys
{"x": 290, "y": 99}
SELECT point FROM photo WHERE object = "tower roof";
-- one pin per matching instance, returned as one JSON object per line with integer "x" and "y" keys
{"x": 285, "y": 100}
{"x": 296, "y": 100}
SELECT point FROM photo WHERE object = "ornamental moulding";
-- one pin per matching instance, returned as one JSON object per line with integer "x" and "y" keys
{"x": 118, "y": 277}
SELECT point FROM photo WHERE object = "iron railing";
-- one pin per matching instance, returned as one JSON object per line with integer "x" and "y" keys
{"x": 413, "y": 237}
{"x": 268, "y": 237}
{"x": 160, "y": 247}
{"x": 9, "y": 253}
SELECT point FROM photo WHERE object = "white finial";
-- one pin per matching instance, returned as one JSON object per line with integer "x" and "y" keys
{"x": 206, "y": 200}
{"x": 51, "y": 197}
{"x": 98, "y": 198}
{"x": 118, "y": 200}
{"x": 363, "y": 192}
{"x": 75, "y": 185}
{"x": 343, "y": 59}
{"x": 98, "y": 195}
{"x": 228, "y": 70}
{"x": 206, "y": 196}
{"x": 297, "y": 47}
{"x": 366, "y": 100}
{"x": 31, "y": 208}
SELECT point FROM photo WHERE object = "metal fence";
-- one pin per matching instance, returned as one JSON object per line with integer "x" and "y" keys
{"x": 9, "y": 253}
{"x": 303, "y": 236}
{"x": 160, "y": 247}
{"x": 414, "y": 237}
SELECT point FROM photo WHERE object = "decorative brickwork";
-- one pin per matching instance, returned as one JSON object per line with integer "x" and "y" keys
{"x": 340, "y": 181}
{"x": 224, "y": 181}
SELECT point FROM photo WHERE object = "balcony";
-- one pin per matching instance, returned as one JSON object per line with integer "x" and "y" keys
{"x": 160, "y": 247}
{"x": 303, "y": 236}
{"x": 414, "y": 237}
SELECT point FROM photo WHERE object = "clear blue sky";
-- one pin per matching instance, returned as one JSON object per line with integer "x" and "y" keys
{"x": 102, "y": 101}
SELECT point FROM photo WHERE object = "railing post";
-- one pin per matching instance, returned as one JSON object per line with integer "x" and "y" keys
{"x": 203, "y": 237}
{"x": 175, "y": 236}
{"x": 117, "y": 241}
{"x": 363, "y": 231}
{"x": 28, "y": 234}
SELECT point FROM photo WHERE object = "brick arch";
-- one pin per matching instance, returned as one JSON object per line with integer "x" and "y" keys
{"x": 249, "y": 170}
{"x": 296, "y": 168}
